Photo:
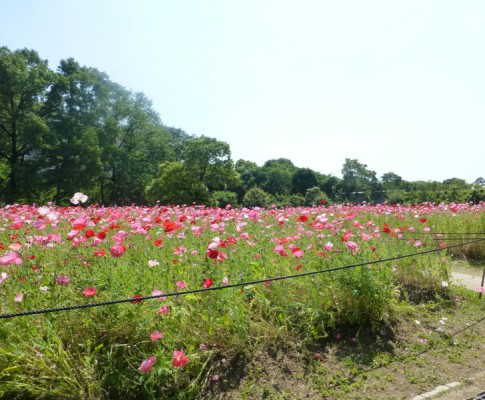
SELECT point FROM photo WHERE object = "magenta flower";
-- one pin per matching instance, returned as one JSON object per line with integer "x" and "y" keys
{"x": 10, "y": 258}
{"x": 156, "y": 335}
{"x": 179, "y": 358}
{"x": 117, "y": 250}
{"x": 147, "y": 365}
{"x": 352, "y": 246}
{"x": 62, "y": 280}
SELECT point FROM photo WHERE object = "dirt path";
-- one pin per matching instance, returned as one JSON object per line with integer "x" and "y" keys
{"x": 474, "y": 387}
{"x": 470, "y": 280}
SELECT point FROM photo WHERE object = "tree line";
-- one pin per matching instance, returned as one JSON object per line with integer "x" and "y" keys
{"x": 74, "y": 130}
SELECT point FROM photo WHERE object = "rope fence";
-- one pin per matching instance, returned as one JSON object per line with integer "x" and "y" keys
{"x": 229, "y": 286}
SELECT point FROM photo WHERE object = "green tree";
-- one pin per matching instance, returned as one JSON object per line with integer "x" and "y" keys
{"x": 134, "y": 143}
{"x": 359, "y": 183}
{"x": 175, "y": 184}
{"x": 331, "y": 186}
{"x": 277, "y": 180}
{"x": 209, "y": 162}
{"x": 302, "y": 180}
{"x": 206, "y": 167}
{"x": 314, "y": 197}
{"x": 25, "y": 80}
{"x": 72, "y": 152}
{"x": 256, "y": 197}
{"x": 391, "y": 181}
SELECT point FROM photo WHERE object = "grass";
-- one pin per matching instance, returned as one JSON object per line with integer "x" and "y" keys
{"x": 348, "y": 333}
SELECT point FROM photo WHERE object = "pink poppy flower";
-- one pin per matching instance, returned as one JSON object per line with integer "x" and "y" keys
{"x": 117, "y": 250}
{"x": 62, "y": 280}
{"x": 179, "y": 358}
{"x": 156, "y": 335}
{"x": 297, "y": 252}
{"x": 352, "y": 246}
{"x": 328, "y": 246}
{"x": 15, "y": 246}
{"x": 10, "y": 258}
{"x": 19, "y": 298}
{"x": 147, "y": 365}
{"x": 164, "y": 310}
{"x": 79, "y": 224}
{"x": 181, "y": 285}
{"x": 158, "y": 292}
{"x": 89, "y": 292}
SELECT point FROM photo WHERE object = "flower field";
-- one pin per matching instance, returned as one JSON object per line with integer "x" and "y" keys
{"x": 164, "y": 346}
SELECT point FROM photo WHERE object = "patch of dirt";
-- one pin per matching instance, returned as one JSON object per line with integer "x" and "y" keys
{"x": 429, "y": 345}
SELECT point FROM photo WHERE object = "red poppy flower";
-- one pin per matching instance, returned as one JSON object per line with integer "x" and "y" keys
{"x": 212, "y": 253}
{"x": 207, "y": 283}
{"x": 170, "y": 226}
{"x": 135, "y": 298}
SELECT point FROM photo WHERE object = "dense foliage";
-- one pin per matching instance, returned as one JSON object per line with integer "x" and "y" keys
{"x": 74, "y": 129}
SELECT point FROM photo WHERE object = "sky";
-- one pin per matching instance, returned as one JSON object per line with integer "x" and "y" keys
{"x": 397, "y": 85}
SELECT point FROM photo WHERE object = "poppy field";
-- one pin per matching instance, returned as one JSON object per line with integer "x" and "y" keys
{"x": 166, "y": 346}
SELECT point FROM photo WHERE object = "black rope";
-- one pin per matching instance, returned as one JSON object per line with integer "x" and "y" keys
{"x": 233, "y": 285}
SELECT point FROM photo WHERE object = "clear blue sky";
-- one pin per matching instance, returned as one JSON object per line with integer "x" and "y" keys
{"x": 398, "y": 85}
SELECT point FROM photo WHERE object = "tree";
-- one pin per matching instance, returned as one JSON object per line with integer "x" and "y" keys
{"x": 479, "y": 182}
{"x": 25, "y": 80}
{"x": 277, "y": 180}
{"x": 208, "y": 160}
{"x": 314, "y": 196}
{"x": 256, "y": 197}
{"x": 302, "y": 180}
{"x": 175, "y": 184}
{"x": 456, "y": 183}
{"x": 72, "y": 152}
{"x": 391, "y": 181}
{"x": 331, "y": 186}
{"x": 359, "y": 182}
{"x": 134, "y": 143}
{"x": 206, "y": 167}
